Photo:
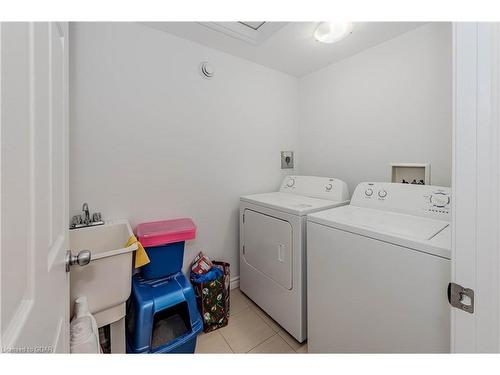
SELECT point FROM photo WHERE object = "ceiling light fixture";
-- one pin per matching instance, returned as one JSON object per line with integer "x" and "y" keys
{"x": 331, "y": 32}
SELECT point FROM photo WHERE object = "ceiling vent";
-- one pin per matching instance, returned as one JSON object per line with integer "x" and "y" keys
{"x": 206, "y": 70}
{"x": 253, "y": 32}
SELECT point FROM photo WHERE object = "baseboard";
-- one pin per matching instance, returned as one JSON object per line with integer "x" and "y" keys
{"x": 234, "y": 283}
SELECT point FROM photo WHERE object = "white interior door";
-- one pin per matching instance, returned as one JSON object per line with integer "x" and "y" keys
{"x": 476, "y": 184}
{"x": 34, "y": 187}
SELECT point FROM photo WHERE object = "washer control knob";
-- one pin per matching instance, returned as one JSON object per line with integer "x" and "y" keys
{"x": 290, "y": 182}
{"x": 382, "y": 193}
{"x": 440, "y": 200}
{"x": 329, "y": 187}
{"x": 369, "y": 192}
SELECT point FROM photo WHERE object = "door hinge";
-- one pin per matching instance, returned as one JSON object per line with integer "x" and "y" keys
{"x": 243, "y": 217}
{"x": 243, "y": 249}
{"x": 461, "y": 298}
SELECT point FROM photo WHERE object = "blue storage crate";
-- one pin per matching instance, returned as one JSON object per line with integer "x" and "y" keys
{"x": 162, "y": 316}
{"x": 165, "y": 260}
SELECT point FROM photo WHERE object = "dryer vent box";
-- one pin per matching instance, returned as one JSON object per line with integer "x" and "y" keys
{"x": 411, "y": 173}
{"x": 286, "y": 159}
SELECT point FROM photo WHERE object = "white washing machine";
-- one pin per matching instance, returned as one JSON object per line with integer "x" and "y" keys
{"x": 273, "y": 245}
{"x": 378, "y": 272}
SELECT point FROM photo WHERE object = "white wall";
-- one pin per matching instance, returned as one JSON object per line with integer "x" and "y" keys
{"x": 151, "y": 139}
{"x": 390, "y": 103}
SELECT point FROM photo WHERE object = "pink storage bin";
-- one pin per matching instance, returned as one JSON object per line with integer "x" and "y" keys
{"x": 163, "y": 232}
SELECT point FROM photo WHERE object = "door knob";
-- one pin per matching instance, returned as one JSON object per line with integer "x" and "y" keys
{"x": 82, "y": 259}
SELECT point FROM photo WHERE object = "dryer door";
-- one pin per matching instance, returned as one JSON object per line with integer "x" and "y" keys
{"x": 267, "y": 243}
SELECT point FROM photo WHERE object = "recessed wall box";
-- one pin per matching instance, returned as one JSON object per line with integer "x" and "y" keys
{"x": 411, "y": 173}
{"x": 286, "y": 159}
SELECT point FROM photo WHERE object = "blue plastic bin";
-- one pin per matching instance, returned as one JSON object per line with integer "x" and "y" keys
{"x": 165, "y": 260}
{"x": 162, "y": 316}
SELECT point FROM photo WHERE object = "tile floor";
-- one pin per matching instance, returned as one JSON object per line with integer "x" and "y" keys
{"x": 250, "y": 330}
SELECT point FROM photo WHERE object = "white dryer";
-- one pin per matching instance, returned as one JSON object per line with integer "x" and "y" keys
{"x": 273, "y": 245}
{"x": 378, "y": 272}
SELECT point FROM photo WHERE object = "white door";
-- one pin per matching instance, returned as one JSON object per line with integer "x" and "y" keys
{"x": 34, "y": 188}
{"x": 476, "y": 185}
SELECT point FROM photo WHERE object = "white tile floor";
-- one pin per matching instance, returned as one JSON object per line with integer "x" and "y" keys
{"x": 250, "y": 330}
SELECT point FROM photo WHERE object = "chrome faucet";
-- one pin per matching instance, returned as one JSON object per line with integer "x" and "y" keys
{"x": 85, "y": 220}
{"x": 86, "y": 213}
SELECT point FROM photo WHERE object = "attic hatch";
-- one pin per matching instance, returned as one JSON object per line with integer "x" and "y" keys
{"x": 252, "y": 25}
{"x": 253, "y": 32}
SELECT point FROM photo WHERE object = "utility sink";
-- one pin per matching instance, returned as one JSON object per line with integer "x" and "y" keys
{"x": 106, "y": 280}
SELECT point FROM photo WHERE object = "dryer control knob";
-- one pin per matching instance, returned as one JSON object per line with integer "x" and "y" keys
{"x": 368, "y": 192}
{"x": 290, "y": 182}
{"x": 382, "y": 193}
{"x": 329, "y": 187}
{"x": 440, "y": 200}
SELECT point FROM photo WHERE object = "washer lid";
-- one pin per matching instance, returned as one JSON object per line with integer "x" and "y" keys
{"x": 402, "y": 229}
{"x": 291, "y": 203}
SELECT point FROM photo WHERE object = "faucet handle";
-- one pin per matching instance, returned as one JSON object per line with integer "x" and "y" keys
{"x": 96, "y": 217}
{"x": 77, "y": 219}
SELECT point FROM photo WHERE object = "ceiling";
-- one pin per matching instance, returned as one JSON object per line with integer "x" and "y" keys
{"x": 285, "y": 46}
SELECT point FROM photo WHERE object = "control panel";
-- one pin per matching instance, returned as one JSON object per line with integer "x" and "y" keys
{"x": 316, "y": 187}
{"x": 422, "y": 200}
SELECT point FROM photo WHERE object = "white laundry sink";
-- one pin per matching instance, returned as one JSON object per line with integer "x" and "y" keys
{"x": 106, "y": 280}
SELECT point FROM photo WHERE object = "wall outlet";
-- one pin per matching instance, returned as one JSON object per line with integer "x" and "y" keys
{"x": 286, "y": 159}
